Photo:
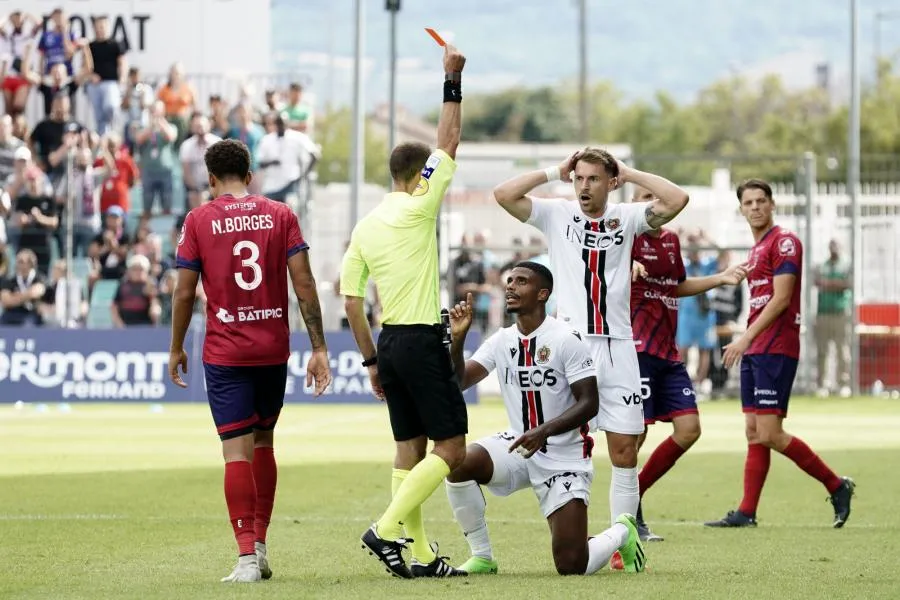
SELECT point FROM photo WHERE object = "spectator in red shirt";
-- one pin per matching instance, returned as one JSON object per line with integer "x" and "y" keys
{"x": 120, "y": 173}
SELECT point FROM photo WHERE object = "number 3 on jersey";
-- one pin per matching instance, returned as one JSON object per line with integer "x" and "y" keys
{"x": 250, "y": 262}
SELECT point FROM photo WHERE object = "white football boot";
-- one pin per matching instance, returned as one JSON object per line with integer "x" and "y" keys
{"x": 246, "y": 570}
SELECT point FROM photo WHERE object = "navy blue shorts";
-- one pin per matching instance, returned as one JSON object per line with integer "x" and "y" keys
{"x": 766, "y": 382}
{"x": 245, "y": 398}
{"x": 666, "y": 389}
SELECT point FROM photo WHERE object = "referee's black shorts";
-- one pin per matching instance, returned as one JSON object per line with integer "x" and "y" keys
{"x": 420, "y": 385}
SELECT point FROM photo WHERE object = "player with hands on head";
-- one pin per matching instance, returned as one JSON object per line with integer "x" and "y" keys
{"x": 549, "y": 387}
{"x": 396, "y": 246}
{"x": 590, "y": 243}
{"x": 659, "y": 279}
{"x": 242, "y": 246}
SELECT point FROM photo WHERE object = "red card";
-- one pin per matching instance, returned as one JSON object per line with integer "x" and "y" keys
{"x": 437, "y": 38}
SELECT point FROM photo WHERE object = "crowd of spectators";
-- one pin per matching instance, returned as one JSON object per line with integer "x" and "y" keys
{"x": 142, "y": 140}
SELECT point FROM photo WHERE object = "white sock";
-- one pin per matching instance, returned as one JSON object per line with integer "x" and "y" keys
{"x": 469, "y": 506}
{"x": 601, "y": 547}
{"x": 624, "y": 494}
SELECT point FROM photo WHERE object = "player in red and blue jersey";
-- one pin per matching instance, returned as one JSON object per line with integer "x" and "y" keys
{"x": 243, "y": 247}
{"x": 769, "y": 351}
{"x": 659, "y": 279}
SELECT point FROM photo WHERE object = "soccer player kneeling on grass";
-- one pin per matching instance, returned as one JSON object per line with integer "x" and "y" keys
{"x": 550, "y": 391}
{"x": 768, "y": 352}
{"x": 242, "y": 246}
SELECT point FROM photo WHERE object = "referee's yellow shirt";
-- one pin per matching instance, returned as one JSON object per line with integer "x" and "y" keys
{"x": 396, "y": 245}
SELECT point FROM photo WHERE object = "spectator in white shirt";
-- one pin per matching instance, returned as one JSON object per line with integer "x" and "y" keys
{"x": 285, "y": 157}
{"x": 193, "y": 164}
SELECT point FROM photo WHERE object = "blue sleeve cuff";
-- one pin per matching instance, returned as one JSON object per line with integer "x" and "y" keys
{"x": 298, "y": 248}
{"x": 787, "y": 268}
{"x": 183, "y": 263}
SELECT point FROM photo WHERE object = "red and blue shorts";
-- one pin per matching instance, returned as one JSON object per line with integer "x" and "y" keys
{"x": 666, "y": 389}
{"x": 243, "y": 399}
{"x": 766, "y": 382}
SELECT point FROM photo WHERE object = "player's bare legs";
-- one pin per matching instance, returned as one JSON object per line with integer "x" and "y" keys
{"x": 240, "y": 496}
{"x": 624, "y": 493}
{"x": 705, "y": 356}
{"x": 410, "y": 452}
{"x": 766, "y": 433}
{"x": 265, "y": 474}
{"x": 574, "y": 553}
{"x": 468, "y": 505}
{"x": 685, "y": 433}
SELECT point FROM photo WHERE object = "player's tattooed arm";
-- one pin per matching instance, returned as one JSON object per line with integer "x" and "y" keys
{"x": 669, "y": 199}
{"x": 305, "y": 288}
{"x": 312, "y": 316}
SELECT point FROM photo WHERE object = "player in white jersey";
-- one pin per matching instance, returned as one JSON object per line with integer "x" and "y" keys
{"x": 590, "y": 254}
{"x": 550, "y": 392}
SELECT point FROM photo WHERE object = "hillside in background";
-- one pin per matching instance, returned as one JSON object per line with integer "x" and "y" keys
{"x": 642, "y": 46}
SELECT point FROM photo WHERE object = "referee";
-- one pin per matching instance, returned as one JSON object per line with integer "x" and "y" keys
{"x": 396, "y": 245}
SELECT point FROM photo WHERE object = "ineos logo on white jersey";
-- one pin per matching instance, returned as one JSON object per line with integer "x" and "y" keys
{"x": 594, "y": 240}
{"x": 531, "y": 378}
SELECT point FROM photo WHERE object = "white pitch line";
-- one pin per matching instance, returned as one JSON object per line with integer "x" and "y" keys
{"x": 308, "y": 519}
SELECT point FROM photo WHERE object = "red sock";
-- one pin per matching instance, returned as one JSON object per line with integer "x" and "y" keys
{"x": 755, "y": 470}
{"x": 240, "y": 495}
{"x": 265, "y": 473}
{"x": 659, "y": 463}
{"x": 809, "y": 461}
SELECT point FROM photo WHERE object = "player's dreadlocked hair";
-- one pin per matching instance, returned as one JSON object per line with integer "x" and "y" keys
{"x": 407, "y": 159}
{"x": 598, "y": 156}
{"x": 228, "y": 159}
{"x": 543, "y": 273}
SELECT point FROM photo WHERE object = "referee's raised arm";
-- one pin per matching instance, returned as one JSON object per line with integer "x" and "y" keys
{"x": 410, "y": 367}
{"x": 450, "y": 121}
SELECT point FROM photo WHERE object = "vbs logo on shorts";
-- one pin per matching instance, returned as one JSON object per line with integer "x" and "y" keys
{"x": 787, "y": 247}
{"x": 543, "y": 355}
{"x": 85, "y": 375}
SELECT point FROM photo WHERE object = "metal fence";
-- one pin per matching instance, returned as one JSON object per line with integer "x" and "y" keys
{"x": 818, "y": 209}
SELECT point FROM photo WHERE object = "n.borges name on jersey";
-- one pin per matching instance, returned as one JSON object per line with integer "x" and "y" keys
{"x": 242, "y": 223}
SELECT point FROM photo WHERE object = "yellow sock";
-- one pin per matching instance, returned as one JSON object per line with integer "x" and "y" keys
{"x": 421, "y": 482}
{"x": 413, "y": 523}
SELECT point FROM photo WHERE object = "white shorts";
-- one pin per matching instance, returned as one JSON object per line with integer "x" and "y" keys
{"x": 554, "y": 487}
{"x": 619, "y": 383}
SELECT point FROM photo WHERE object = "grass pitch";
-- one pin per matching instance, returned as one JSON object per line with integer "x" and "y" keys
{"x": 112, "y": 501}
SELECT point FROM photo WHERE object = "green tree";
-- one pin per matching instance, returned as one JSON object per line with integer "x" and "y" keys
{"x": 334, "y": 132}
{"x": 759, "y": 128}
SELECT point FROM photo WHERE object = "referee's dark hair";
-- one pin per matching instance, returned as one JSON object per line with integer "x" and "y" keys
{"x": 541, "y": 271}
{"x": 407, "y": 160}
{"x": 228, "y": 159}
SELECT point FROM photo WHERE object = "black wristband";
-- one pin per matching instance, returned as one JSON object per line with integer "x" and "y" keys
{"x": 370, "y": 361}
{"x": 452, "y": 91}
